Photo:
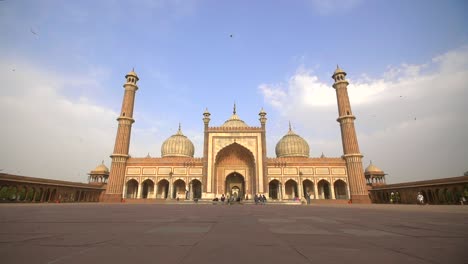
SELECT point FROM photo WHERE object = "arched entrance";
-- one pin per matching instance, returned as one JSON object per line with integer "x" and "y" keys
{"x": 196, "y": 190}
{"x": 147, "y": 188}
{"x": 235, "y": 185}
{"x": 235, "y": 159}
{"x": 340, "y": 190}
{"x": 290, "y": 189}
{"x": 179, "y": 189}
{"x": 163, "y": 189}
{"x": 308, "y": 187}
{"x": 323, "y": 189}
{"x": 274, "y": 189}
{"x": 132, "y": 189}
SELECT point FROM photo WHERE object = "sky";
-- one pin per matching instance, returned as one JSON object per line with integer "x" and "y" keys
{"x": 62, "y": 66}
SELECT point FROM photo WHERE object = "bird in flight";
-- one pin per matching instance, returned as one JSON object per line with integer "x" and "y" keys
{"x": 34, "y": 32}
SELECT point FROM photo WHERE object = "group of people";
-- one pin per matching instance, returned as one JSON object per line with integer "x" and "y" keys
{"x": 260, "y": 199}
{"x": 228, "y": 199}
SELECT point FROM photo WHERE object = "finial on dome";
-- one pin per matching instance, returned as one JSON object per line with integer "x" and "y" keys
{"x": 148, "y": 156}
{"x": 234, "y": 111}
{"x": 290, "y": 125}
{"x": 322, "y": 156}
{"x": 102, "y": 162}
{"x": 179, "y": 131}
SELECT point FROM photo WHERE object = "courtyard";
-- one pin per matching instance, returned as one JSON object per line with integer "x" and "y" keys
{"x": 202, "y": 233}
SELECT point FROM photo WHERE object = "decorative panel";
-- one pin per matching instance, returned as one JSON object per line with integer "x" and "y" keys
{"x": 338, "y": 171}
{"x": 164, "y": 170}
{"x": 196, "y": 170}
{"x": 307, "y": 170}
{"x": 133, "y": 171}
{"x": 180, "y": 170}
{"x": 322, "y": 171}
{"x": 290, "y": 171}
{"x": 149, "y": 171}
{"x": 274, "y": 170}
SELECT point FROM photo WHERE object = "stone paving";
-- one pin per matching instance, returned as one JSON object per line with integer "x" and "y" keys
{"x": 157, "y": 233}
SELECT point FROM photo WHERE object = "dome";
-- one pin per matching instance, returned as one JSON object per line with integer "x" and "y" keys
{"x": 177, "y": 145}
{"x": 338, "y": 70}
{"x": 292, "y": 145}
{"x": 373, "y": 169}
{"x": 101, "y": 168}
{"x": 132, "y": 73}
{"x": 234, "y": 120}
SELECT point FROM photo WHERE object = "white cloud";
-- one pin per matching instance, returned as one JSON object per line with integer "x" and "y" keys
{"x": 329, "y": 7}
{"x": 411, "y": 121}
{"x": 44, "y": 133}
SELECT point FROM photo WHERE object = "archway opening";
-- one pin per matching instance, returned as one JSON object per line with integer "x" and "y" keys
{"x": 163, "y": 189}
{"x": 132, "y": 189}
{"x": 196, "y": 191}
{"x": 239, "y": 159}
{"x": 308, "y": 188}
{"x": 235, "y": 185}
{"x": 323, "y": 189}
{"x": 147, "y": 188}
{"x": 290, "y": 189}
{"x": 274, "y": 189}
{"x": 179, "y": 189}
{"x": 340, "y": 190}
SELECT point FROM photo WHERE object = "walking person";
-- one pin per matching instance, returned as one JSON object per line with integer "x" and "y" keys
{"x": 307, "y": 196}
{"x": 420, "y": 198}
{"x": 264, "y": 199}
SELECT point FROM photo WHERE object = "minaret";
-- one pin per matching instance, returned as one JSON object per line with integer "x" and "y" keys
{"x": 263, "y": 120}
{"x": 114, "y": 191}
{"x": 357, "y": 181}
{"x": 206, "y": 121}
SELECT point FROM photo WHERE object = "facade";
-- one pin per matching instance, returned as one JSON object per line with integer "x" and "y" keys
{"x": 437, "y": 191}
{"x": 15, "y": 188}
{"x": 234, "y": 161}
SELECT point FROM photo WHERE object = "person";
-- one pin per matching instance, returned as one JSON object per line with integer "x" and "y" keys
{"x": 256, "y": 199}
{"x": 420, "y": 198}
{"x": 463, "y": 200}
{"x": 307, "y": 196}
{"x": 223, "y": 198}
{"x": 264, "y": 199}
{"x": 392, "y": 197}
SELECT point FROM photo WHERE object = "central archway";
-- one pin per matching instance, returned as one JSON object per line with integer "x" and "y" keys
{"x": 235, "y": 159}
{"x": 235, "y": 185}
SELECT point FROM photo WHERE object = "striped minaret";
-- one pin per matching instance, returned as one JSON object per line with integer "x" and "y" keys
{"x": 115, "y": 186}
{"x": 351, "y": 153}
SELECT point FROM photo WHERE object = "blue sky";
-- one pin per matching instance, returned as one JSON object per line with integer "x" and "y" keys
{"x": 64, "y": 63}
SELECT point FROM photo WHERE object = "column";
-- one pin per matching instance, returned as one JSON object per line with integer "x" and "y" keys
{"x": 191, "y": 191}
{"x": 283, "y": 192}
{"x": 280, "y": 197}
{"x": 332, "y": 190}
{"x": 139, "y": 190}
{"x": 155, "y": 190}
{"x": 316, "y": 190}
{"x": 124, "y": 193}
{"x": 169, "y": 195}
{"x": 301, "y": 191}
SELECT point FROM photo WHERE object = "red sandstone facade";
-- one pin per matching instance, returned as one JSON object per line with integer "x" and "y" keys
{"x": 234, "y": 161}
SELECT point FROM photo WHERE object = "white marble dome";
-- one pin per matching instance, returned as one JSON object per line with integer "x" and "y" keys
{"x": 292, "y": 145}
{"x": 178, "y": 145}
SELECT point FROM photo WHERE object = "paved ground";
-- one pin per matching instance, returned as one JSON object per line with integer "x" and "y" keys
{"x": 155, "y": 233}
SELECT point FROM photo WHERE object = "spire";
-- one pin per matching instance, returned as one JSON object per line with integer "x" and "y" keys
{"x": 179, "y": 131}
{"x": 234, "y": 111}
{"x": 102, "y": 162}
{"x": 290, "y": 125}
{"x": 322, "y": 156}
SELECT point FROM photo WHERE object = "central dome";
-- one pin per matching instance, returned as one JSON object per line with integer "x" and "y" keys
{"x": 177, "y": 145}
{"x": 234, "y": 120}
{"x": 292, "y": 145}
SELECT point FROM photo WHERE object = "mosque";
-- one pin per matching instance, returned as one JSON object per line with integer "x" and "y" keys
{"x": 235, "y": 161}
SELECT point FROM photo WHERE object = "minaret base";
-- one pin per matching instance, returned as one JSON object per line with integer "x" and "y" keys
{"x": 360, "y": 199}
{"x": 112, "y": 198}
